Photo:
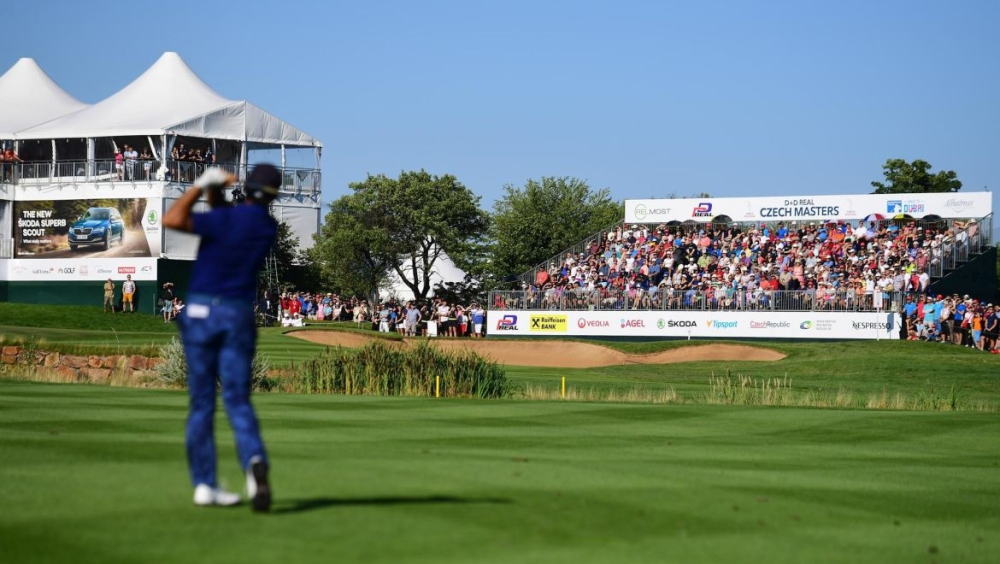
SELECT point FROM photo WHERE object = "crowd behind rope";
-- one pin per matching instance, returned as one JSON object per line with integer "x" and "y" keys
{"x": 436, "y": 316}
{"x": 787, "y": 266}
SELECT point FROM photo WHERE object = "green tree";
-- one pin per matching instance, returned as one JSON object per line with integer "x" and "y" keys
{"x": 532, "y": 223}
{"x": 347, "y": 254}
{"x": 914, "y": 178}
{"x": 403, "y": 225}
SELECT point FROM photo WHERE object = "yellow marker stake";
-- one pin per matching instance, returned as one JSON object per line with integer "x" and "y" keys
{"x": 437, "y": 386}
{"x": 564, "y": 387}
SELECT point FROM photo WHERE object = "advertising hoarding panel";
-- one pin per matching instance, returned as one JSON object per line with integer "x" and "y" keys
{"x": 696, "y": 324}
{"x": 90, "y": 239}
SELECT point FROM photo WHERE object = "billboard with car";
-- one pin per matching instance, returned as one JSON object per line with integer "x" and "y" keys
{"x": 86, "y": 238}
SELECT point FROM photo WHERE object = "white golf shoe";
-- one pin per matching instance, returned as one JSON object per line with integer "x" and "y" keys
{"x": 205, "y": 495}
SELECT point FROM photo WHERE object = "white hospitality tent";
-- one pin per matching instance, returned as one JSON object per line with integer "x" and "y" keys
{"x": 167, "y": 101}
{"x": 443, "y": 270}
{"x": 29, "y": 97}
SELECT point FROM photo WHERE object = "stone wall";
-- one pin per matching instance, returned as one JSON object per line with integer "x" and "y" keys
{"x": 129, "y": 370}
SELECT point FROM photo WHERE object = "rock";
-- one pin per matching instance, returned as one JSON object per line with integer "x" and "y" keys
{"x": 94, "y": 362}
{"x": 66, "y": 373}
{"x": 97, "y": 374}
{"x": 51, "y": 360}
{"x": 9, "y": 359}
{"x": 137, "y": 362}
{"x": 152, "y": 363}
{"x": 11, "y": 350}
{"x": 74, "y": 361}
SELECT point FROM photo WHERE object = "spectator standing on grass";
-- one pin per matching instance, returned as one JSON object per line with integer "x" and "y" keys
{"x": 128, "y": 293}
{"x": 218, "y": 329}
{"x": 383, "y": 318}
{"x": 478, "y": 317}
{"x": 412, "y": 319}
{"x": 109, "y": 296}
{"x": 990, "y": 329}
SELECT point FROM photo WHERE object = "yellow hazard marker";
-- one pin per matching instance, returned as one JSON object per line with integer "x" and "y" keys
{"x": 437, "y": 386}
{"x": 564, "y": 387}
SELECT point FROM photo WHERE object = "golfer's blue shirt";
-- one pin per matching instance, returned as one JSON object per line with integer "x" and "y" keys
{"x": 234, "y": 243}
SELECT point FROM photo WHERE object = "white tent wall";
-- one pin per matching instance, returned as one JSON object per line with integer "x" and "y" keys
{"x": 302, "y": 220}
{"x": 178, "y": 245}
{"x": 6, "y": 229}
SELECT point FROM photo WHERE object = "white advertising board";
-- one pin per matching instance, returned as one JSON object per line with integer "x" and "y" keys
{"x": 695, "y": 324}
{"x": 811, "y": 208}
{"x": 83, "y": 269}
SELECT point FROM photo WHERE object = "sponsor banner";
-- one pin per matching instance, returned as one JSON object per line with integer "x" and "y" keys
{"x": 810, "y": 208}
{"x": 87, "y": 229}
{"x": 698, "y": 324}
{"x": 548, "y": 323}
{"x": 89, "y": 269}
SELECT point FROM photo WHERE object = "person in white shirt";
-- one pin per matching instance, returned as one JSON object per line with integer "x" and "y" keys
{"x": 128, "y": 292}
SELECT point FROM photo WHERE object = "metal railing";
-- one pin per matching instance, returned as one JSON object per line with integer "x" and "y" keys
{"x": 294, "y": 180}
{"x": 667, "y": 299}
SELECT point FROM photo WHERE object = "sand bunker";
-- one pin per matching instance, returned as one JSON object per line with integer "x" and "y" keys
{"x": 558, "y": 354}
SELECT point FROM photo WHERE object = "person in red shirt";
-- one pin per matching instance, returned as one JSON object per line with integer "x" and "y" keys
{"x": 541, "y": 278}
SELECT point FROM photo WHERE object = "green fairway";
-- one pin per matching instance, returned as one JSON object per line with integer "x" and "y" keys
{"x": 95, "y": 474}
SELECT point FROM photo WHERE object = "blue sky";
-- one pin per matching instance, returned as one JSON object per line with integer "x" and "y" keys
{"x": 646, "y": 98}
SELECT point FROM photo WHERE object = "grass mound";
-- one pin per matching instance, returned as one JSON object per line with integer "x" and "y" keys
{"x": 80, "y": 317}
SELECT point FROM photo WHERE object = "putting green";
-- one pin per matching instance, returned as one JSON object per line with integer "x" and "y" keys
{"x": 95, "y": 474}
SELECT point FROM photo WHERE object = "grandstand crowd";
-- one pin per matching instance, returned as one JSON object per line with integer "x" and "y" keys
{"x": 794, "y": 265}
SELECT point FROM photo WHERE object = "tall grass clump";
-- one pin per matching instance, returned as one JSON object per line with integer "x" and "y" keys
{"x": 172, "y": 369}
{"x": 381, "y": 369}
{"x": 744, "y": 390}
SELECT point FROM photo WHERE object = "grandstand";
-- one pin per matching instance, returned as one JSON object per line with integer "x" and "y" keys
{"x": 855, "y": 255}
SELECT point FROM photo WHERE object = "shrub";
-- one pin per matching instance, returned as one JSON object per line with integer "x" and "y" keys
{"x": 172, "y": 369}
{"x": 380, "y": 369}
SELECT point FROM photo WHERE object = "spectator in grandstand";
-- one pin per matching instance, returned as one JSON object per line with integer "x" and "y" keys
{"x": 147, "y": 163}
{"x": 183, "y": 162}
{"x": 209, "y": 156}
{"x": 130, "y": 158}
{"x": 119, "y": 164}
{"x": 8, "y": 158}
